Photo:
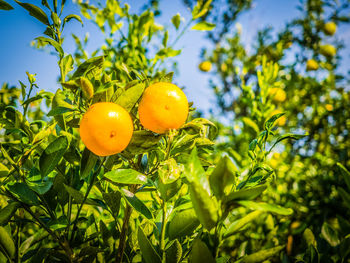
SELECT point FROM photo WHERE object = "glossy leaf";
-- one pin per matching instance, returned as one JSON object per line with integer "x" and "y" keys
{"x": 130, "y": 97}
{"x": 276, "y": 209}
{"x": 6, "y": 242}
{"x": 149, "y": 254}
{"x": 174, "y": 252}
{"x": 53, "y": 43}
{"x": 269, "y": 123}
{"x": 237, "y": 225}
{"x": 112, "y": 200}
{"x": 88, "y": 162}
{"x": 246, "y": 194}
{"x": 24, "y": 193}
{"x": 223, "y": 177}
{"x": 88, "y": 65}
{"x": 66, "y": 65}
{"x": 204, "y": 206}
{"x": 72, "y": 16}
{"x": 126, "y": 176}
{"x": 183, "y": 224}
{"x": 137, "y": 204}
{"x": 52, "y": 155}
{"x": 287, "y": 136}
{"x": 7, "y": 212}
{"x": 35, "y": 11}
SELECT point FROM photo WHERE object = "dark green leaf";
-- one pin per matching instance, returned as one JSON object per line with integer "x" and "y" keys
{"x": 24, "y": 193}
{"x": 4, "y": 171}
{"x": 59, "y": 111}
{"x": 69, "y": 17}
{"x": 194, "y": 171}
{"x": 126, "y": 176}
{"x": 276, "y": 209}
{"x": 183, "y": 224}
{"x": 52, "y": 155}
{"x": 201, "y": 253}
{"x": 5, "y": 6}
{"x": 176, "y": 19}
{"x": 287, "y": 136}
{"x": 345, "y": 196}
{"x": 309, "y": 238}
{"x": 88, "y": 162}
{"x": 112, "y": 200}
{"x": 174, "y": 252}
{"x": 35, "y": 12}
{"x": 137, "y": 204}
{"x": 168, "y": 77}
{"x": 7, "y": 212}
{"x": 201, "y": 8}
{"x": 149, "y": 254}
{"x": 346, "y": 174}
{"x": 142, "y": 142}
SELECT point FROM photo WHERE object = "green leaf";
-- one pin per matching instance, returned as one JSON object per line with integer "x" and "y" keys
{"x": 4, "y": 171}
{"x": 88, "y": 65}
{"x": 35, "y": 12}
{"x": 130, "y": 97}
{"x": 72, "y": 16}
{"x": 137, "y": 204}
{"x": 176, "y": 20}
{"x": 59, "y": 111}
{"x": 174, "y": 252}
{"x": 6, "y": 242}
{"x": 7, "y": 212}
{"x": 203, "y": 26}
{"x": 200, "y": 252}
{"x": 261, "y": 255}
{"x": 53, "y": 43}
{"x": 330, "y": 234}
{"x": 237, "y": 225}
{"x": 52, "y": 155}
{"x": 142, "y": 142}
{"x": 149, "y": 254}
{"x": 309, "y": 238}
{"x": 5, "y": 6}
{"x": 269, "y": 123}
{"x": 246, "y": 194}
{"x": 126, "y": 176}
{"x": 183, "y": 224}
{"x": 276, "y": 209}
{"x": 112, "y": 200}
{"x": 167, "y": 77}
{"x": 252, "y": 124}
{"x": 167, "y": 53}
{"x": 24, "y": 193}
{"x": 66, "y": 65}
{"x": 345, "y": 196}
{"x": 201, "y": 9}
{"x": 288, "y": 136}
{"x": 223, "y": 177}
{"x": 346, "y": 174}
{"x": 78, "y": 196}
{"x": 204, "y": 205}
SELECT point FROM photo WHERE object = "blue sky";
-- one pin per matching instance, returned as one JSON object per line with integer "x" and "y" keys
{"x": 18, "y": 29}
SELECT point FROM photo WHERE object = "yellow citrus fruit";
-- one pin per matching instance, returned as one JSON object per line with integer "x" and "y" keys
{"x": 280, "y": 121}
{"x": 106, "y": 128}
{"x": 330, "y": 28}
{"x": 163, "y": 106}
{"x": 329, "y": 107}
{"x": 328, "y": 50}
{"x": 311, "y": 64}
{"x": 205, "y": 66}
{"x": 278, "y": 94}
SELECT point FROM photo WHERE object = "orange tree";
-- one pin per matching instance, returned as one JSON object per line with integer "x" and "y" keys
{"x": 159, "y": 196}
{"x": 311, "y": 89}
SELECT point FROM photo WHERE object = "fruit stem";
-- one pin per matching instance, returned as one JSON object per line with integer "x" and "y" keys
{"x": 124, "y": 230}
{"x": 162, "y": 233}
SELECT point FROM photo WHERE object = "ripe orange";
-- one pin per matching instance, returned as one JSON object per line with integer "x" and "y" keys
{"x": 106, "y": 128}
{"x": 163, "y": 106}
{"x": 311, "y": 64}
{"x": 282, "y": 120}
{"x": 277, "y": 94}
{"x": 330, "y": 28}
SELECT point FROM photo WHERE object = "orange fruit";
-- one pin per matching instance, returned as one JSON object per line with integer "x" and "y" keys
{"x": 330, "y": 28}
{"x": 163, "y": 106}
{"x": 328, "y": 50}
{"x": 277, "y": 94}
{"x": 311, "y": 64}
{"x": 280, "y": 121}
{"x": 106, "y": 128}
{"x": 205, "y": 66}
